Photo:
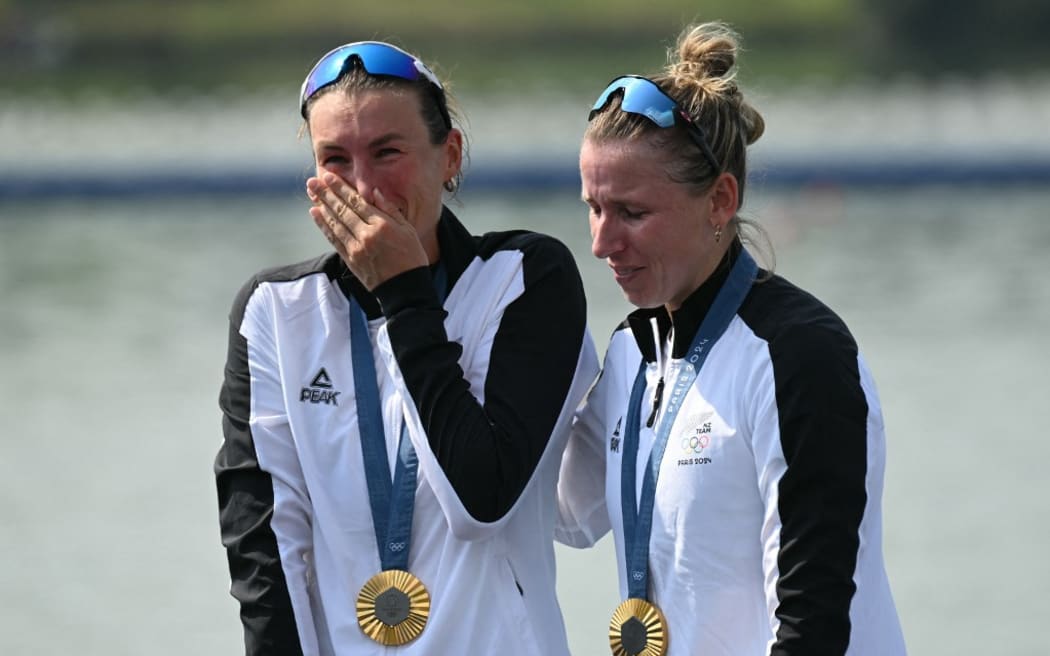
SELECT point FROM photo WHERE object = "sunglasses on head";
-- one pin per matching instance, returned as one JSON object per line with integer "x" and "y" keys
{"x": 376, "y": 58}
{"x": 643, "y": 97}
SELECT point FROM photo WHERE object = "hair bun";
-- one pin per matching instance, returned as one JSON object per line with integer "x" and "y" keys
{"x": 708, "y": 50}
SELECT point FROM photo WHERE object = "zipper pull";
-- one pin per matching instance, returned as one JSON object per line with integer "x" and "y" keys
{"x": 656, "y": 402}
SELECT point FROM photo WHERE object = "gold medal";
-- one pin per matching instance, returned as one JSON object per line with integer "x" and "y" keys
{"x": 638, "y": 628}
{"x": 393, "y": 607}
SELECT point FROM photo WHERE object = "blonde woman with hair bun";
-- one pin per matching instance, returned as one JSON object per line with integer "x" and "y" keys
{"x": 734, "y": 441}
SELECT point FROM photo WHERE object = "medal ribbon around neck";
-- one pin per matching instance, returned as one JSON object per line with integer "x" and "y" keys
{"x": 393, "y": 606}
{"x": 638, "y": 514}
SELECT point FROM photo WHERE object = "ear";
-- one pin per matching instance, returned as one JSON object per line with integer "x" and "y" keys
{"x": 453, "y": 153}
{"x": 725, "y": 200}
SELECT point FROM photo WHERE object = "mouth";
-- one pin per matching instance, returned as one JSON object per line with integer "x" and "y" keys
{"x": 624, "y": 274}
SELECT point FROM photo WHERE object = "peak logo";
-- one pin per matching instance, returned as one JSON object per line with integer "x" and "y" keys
{"x": 320, "y": 390}
{"x": 614, "y": 441}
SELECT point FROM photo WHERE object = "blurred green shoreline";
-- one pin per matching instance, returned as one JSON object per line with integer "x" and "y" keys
{"x": 126, "y": 47}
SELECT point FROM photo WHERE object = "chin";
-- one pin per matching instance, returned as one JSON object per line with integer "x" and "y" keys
{"x": 639, "y": 300}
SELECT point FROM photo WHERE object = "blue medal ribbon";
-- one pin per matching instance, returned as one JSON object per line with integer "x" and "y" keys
{"x": 392, "y": 502}
{"x": 638, "y": 516}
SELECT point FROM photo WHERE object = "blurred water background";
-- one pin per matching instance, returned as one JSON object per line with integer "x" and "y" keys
{"x": 914, "y": 203}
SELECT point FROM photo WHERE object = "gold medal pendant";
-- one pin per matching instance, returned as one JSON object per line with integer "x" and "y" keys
{"x": 393, "y": 607}
{"x": 638, "y": 628}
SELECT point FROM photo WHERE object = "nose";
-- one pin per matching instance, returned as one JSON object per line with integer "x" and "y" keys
{"x": 359, "y": 176}
{"x": 606, "y": 239}
{"x": 364, "y": 182}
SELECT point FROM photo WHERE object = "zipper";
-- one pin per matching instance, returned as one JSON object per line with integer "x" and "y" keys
{"x": 656, "y": 402}
{"x": 661, "y": 363}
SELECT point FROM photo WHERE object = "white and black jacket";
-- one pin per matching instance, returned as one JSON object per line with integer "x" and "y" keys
{"x": 767, "y": 526}
{"x": 487, "y": 385}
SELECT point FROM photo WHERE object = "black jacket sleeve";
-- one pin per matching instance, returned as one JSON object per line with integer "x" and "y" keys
{"x": 245, "y": 508}
{"x": 822, "y": 495}
{"x": 489, "y": 452}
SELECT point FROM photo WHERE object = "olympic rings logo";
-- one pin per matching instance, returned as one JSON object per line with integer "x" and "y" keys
{"x": 695, "y": 443}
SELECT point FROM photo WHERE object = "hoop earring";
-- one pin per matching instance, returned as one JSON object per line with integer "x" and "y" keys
{"x": 718, "y": 234}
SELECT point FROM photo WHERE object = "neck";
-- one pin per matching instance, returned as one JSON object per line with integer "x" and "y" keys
{"x": 703, "y": 274}
{"x": 431, "y": 243}
{"x": 432, "y": 250}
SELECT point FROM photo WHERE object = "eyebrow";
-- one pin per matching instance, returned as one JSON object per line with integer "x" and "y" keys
{"x": 385, "y": 139}
{"x": 379, "y": 141}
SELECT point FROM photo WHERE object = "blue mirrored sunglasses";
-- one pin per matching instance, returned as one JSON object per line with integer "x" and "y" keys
{"x": 643, "y": 97}
{"x": 376, "y": 58}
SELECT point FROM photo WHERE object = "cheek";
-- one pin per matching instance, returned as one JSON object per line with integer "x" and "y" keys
{"x": 341, "y": 169}
{"x": 404, "y": 177}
